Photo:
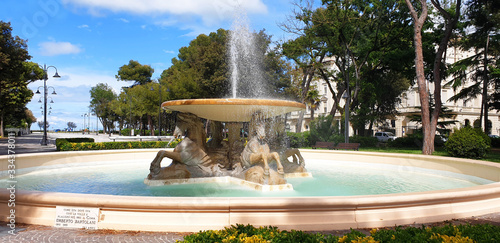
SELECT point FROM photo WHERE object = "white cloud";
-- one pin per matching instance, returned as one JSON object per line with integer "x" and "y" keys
{"x": 169, "y": 52}
{"x": 124, "y": 20}
{"x": 73, "y": 94}
{"x": 53, "y": 48}
{"x": 211, "y": 12}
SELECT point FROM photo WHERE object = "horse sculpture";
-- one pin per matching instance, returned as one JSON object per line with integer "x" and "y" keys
{"x": 276, "y": 138}
{"x": 257, "y": 150}
{"x": 191, "y": 151}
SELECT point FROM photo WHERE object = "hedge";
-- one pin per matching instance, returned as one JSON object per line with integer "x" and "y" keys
{"x": 299, "y": 140}
{"x": 61, "y": 141}
{"x": 447, "y": 233}
{"x": 77, "y": 146}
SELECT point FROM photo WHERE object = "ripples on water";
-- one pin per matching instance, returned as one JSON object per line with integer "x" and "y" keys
{"x": 330, "y": 178}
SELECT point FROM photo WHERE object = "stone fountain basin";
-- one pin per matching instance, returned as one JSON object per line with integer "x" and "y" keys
{"x": 183, "y": 214}
{"x": 234, "y": 109}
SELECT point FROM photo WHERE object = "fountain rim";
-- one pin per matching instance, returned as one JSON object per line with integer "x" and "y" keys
{"x": 302, "y": 213}
{"x": 234, "y": 109}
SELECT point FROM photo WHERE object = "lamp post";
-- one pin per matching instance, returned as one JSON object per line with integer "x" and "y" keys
{"x": 83, "y": 126}
{"x": 45, "y": 89}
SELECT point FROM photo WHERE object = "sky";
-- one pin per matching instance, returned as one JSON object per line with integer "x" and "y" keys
{"x": 87, "y": 41}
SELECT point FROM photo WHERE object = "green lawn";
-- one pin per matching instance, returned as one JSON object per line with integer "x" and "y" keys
{"x": 493, "y": 155}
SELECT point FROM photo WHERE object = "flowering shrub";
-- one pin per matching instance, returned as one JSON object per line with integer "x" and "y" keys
{"x": 448, "y": 233}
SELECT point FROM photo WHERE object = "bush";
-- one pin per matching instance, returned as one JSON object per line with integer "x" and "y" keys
{"x": 126, "y": 132}
{"x": 299, "y": 140}
{"x": 322, "y": 129}
{"x": 495, "y": 142}
{"x": 364, "y": 141}
{"x": 468, "y": 143}
{"x": 410, "y": 141}
{"x": 78, "y": 146}
{"x": 61, "y": 141}
{"x": 447, "y": 233}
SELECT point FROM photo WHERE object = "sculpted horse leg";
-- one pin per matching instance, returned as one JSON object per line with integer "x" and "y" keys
{"x": 260, "y": 157}
{"x": 276, "y": 157}
{"x": 296, "y": 156}
{"x": 155, "y": 167}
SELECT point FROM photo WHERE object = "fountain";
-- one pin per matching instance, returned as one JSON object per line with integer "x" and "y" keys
{"x": 242, "y": 164}
{"x": 194, "y": 158}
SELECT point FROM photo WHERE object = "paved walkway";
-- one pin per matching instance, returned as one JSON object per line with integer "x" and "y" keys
{"x": 36, "y": 233}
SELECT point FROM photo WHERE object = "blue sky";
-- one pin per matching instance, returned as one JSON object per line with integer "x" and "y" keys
{"x": 88, "y": 40}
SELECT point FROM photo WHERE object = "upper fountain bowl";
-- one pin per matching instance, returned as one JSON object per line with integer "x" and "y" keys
{"x": 233, "y": 110}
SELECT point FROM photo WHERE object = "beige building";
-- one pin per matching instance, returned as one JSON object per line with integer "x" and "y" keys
{"x": 463, "y": 112}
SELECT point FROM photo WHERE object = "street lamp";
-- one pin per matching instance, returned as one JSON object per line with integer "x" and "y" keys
{"x": 83, "y": 127}
{"x": 45, "y": 89}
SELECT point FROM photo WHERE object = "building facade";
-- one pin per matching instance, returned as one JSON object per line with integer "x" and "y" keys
{"x": 464, "y": 113}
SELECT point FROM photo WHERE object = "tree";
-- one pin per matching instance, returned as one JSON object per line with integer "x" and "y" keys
{"x": 14, "y": 78}
{"x": 483, "y": 22}
{"x": 122, "y": 108}
{"x": 71, "y": 126}
{"x": 350, "y": 45}
{"x": 429, "y": 121}
{"x": 101, "y": 96}
{"x": 40, "y": 124}
{"x": 145, "y": 101}
{"x": 200, "y": 70}
{"x": 313, "y": 100}
{"x": 134, "y": 71}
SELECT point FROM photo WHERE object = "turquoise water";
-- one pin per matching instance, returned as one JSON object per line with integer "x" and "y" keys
{"x": 330, "y": 178}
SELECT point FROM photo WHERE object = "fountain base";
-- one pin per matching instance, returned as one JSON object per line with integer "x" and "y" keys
{"x": 230, "y": 180}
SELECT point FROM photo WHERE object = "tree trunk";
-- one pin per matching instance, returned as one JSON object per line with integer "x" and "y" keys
{"x": 451, "y": 22}
{"x": 1, "y": 125}
{"x": 418, "y": 22}
{"x": 298, "y": 126}
{"x": 150, "y": 125}
{"x": 485, "y": 87}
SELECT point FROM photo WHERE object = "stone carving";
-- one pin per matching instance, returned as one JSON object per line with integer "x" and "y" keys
{"x": 257, "y": 150}
{"x": 191, "y": 151}
{"x": 193, "y": 157}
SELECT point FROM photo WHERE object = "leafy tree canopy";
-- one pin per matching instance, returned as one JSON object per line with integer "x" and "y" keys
{"x": 14, "y": 77}
{"x": 134, "y": 71}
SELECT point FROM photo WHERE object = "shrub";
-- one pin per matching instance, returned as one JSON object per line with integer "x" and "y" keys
{"x": 69, "y": 146}
{"x": 126, "y": 132}
{"x": 322, "y": 129}
{"x": 299, "y": 140}
{"x": 447, "y": 233}
{"x": 364, "y": 141}
{"x": 468, "y": 143}
{"x": 495, "y": 142}
{"x": 60, "y": 142}
{"x": 410, "y": 141}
